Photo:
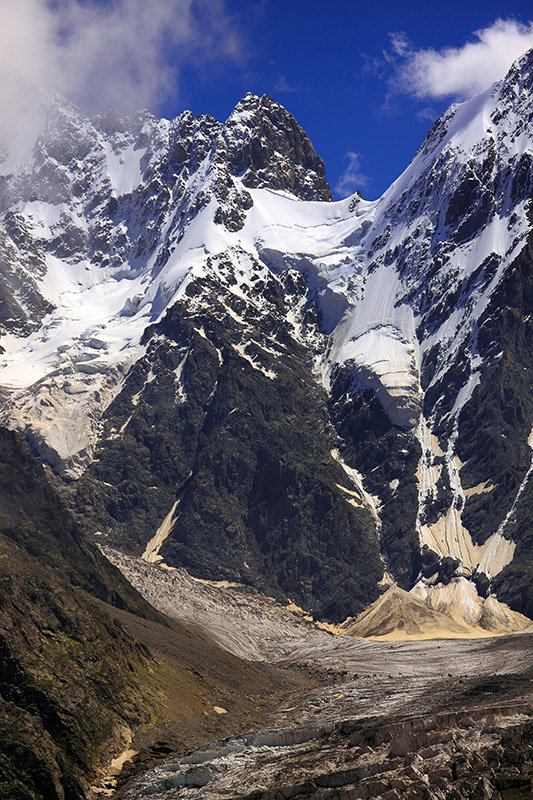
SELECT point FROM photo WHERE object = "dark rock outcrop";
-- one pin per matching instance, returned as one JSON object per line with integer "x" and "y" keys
{"x": 70, "y": 675}
{"x": 228, "y": 421}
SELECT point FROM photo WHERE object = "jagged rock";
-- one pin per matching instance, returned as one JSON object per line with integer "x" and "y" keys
{"x": 392, "y": 326}
{"x": 281, "y": 157}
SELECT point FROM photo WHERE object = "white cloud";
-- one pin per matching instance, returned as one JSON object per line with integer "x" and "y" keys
{"x": 127, "y": 54}
{"x": 461, "y": 71}
{"x": 282, "y": 85}
{"x": 427, "y": 114}
{"x": 352, "y": 178}
{"x": 399, "y": 43}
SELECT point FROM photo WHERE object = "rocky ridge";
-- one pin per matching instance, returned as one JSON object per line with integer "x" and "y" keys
{"x": 97, "y": 207}
{"x": 86, "y": 664}
{"x": 368, "y": 362}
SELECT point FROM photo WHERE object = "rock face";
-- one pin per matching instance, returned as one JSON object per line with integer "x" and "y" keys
{"x": 71, "y": 676}
{"x": 262, "y": 385}
{"x": 266, "y": 147}
{"x": 85, "y": 662}
{"x": 234, "y": 442}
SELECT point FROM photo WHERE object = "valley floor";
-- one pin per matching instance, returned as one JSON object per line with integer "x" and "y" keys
{"x": 448, "y": 718}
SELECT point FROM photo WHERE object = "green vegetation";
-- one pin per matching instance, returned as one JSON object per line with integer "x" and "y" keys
{"x": 71, "y": 677}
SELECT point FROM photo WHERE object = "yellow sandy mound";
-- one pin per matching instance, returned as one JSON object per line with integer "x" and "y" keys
{"x": 401, "y": 615}
{"x": 397, "y": 614}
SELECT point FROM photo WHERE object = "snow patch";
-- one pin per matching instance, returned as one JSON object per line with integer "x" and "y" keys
{"x": 241, "y": 350}
{"x": 371, "y": 502}
{"x": 151, "y": 552}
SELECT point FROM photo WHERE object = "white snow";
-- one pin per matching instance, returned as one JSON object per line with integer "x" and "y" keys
{"x": 181, "y": 394}
{"x": 521, "y": 488}
{"x": 356, "y": 479}
{"x": 124, "y": 168}
{"x": 241, "y": 350}
{"x": 371, "y": 265}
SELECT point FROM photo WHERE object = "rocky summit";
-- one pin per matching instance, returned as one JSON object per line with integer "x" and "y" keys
{"x": 225, "y": 371}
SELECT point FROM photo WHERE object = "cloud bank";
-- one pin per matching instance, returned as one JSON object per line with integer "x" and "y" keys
{"x": 460, "y": 72}
{"x": 125, "y": 54}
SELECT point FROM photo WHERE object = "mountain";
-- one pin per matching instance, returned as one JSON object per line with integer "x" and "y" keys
{"x": 85, "y": 662}
{"x": 71, "y": 677}
{"x": 230, "y": 372}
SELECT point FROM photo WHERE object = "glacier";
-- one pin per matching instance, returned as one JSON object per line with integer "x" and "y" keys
{"x": 123, "y": 214}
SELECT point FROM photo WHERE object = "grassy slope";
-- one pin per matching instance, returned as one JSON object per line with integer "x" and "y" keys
{"x": 83, "y": 659}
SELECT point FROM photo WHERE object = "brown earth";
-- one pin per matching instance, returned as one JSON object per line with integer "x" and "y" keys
{"x": 441, "y": 719}
{"x": 192, "y": 677}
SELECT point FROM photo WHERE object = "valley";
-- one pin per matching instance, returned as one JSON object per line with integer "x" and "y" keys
{"x": 266, "y": 459}
{"x": 438, "y": 718}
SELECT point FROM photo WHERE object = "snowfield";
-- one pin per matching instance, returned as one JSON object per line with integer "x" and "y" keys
{"x": 121, "y": 236}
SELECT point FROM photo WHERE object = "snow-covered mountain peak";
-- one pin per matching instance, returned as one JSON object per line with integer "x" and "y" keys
{"x": 248, "y": 106}
{"x": 266, "y": 147}
{"x": 104, "y": 218}
{"x": 42, "y": 116}
{"x": 49, "y": 104}
{"x": 386, "y": 271}
{"x": 110, "y": 224}
{"x": 407, "y": 287}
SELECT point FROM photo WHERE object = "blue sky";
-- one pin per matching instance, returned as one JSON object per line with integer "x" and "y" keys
{"x": 333, "y": 65}
{"x": 365, "y": 80}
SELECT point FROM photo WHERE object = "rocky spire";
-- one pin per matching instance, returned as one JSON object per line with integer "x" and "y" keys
{"x": 264, "y": 144}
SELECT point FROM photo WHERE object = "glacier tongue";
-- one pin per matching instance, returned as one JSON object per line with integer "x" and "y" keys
{"x": 377, "y": 340}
